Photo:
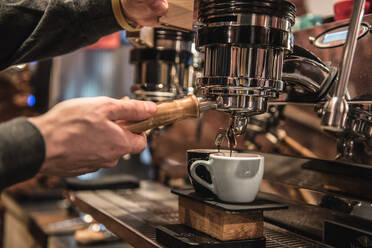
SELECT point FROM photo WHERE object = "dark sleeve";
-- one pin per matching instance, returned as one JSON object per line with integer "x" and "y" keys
{"x": 31, "y": 30}
{"x": 22, "y": 151}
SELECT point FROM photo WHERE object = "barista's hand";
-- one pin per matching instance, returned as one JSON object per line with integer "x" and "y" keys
{"x": 144, "y": 12}
{"x": 81, "y": 135}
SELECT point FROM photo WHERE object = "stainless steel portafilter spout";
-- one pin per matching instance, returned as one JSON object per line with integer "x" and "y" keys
{"x": 336, "y": 109}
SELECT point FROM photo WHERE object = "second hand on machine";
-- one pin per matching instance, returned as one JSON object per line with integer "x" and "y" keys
{"x": 169, "y": 112}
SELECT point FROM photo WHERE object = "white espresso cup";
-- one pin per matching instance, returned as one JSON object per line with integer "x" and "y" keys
{"x": 235, "y": 179}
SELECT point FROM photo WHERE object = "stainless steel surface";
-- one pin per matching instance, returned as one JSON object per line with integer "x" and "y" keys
{"x": 241, "y": 63}
{"x": 241, "y": 74}
{"x": 163, "y": 60}
{"x": 134, "y": 214}
{"x": 255, "y": 20}
{"x": 362, "y": 123}
{"x": 336, "y": 109}
{"x": 161, "y": 80}
{"x": 350, "y": 46}
{"x": 306, "y": 77}
{"x": 335, "y": 113}
{"x": 239, "y": 124}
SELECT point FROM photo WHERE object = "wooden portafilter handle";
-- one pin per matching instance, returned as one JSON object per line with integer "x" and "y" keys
{"x": 167, "y": 113}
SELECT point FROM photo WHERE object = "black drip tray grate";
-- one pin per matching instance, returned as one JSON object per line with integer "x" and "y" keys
{"x": 181, "y": 236}
{"x": 279, "y": 238}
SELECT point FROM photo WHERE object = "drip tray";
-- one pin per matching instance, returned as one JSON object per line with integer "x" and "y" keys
{"x": 181, "y": 236}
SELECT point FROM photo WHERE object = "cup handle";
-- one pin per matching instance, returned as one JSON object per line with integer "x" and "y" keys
{"x": 207, "y": 164}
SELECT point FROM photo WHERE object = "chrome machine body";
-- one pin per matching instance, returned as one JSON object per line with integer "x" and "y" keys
{"x": 244, "y": 44}
{"x": 163, "y": 60}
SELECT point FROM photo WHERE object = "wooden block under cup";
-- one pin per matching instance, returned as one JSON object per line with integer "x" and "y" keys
{"x": 221, "y": 224}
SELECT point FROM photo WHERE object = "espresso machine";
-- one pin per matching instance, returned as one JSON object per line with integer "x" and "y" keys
{"x": 254, "y": 63}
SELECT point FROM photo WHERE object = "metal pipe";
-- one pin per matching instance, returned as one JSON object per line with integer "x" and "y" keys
{"x": 335, "y": 111}
{"x": 350, "y": 46}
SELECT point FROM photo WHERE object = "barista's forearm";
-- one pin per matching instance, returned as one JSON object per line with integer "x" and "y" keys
{"x": 22, "y": 151}
{"x": 31, "y": 30}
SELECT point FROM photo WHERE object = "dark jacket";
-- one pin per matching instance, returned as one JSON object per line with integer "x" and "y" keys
{"x": 31, "y": 30}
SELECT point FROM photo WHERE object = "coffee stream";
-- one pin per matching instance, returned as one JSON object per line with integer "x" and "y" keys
{"x": 231, "y": 139}
{"x": 229, "y": 135}
{"x": 221, "y": 134}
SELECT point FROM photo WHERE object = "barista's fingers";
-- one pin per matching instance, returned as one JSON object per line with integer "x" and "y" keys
{"x": 131, "y": 143}
{"x": 110, "y": 164}
{"x": 87, "y": 170}
{"x": 130, "y": 110}
{"x": 81, "y": 172}
{"x": 137, "y": 142}
{"x": 144, "y": 12}
{"x": 159, "y": 7}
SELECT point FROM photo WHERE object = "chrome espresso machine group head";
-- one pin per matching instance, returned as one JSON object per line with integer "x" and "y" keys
{"x": 163, "y": 63}
{"x": 244, "y": 44}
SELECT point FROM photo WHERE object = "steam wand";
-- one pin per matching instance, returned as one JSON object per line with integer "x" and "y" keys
{"x": 336, "y": 109}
